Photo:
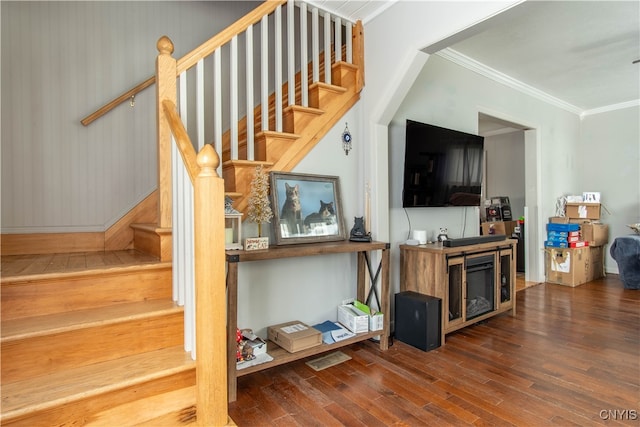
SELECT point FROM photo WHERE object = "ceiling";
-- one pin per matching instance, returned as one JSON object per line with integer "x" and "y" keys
{"x": 575, "y": 54}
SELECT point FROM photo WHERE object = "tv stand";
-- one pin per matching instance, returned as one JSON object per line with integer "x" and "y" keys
{"x": 475, "y": 282}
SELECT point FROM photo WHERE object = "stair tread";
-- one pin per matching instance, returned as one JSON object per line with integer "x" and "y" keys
{"x": 29, "y": 327}
{"x": 330, "y": 87}
{"x": 27, "y": 268}
{"x": 22, "y": 397}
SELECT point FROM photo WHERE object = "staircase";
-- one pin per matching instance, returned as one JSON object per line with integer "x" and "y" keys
{"x": 104, "y": 345}
{"x": 98, "y": 346}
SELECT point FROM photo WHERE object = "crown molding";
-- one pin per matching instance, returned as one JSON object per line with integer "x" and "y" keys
{"x": 495, "y": 75}
{"x": 613, "y": 107}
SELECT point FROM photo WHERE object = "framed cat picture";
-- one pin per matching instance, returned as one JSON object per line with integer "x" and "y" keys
{"x": 306, "y": 208}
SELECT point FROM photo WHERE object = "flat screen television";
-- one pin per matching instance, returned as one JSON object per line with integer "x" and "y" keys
{"x": 442, "y": 167}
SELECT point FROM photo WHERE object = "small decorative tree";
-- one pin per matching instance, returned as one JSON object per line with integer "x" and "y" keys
{"x": 259, "y": 206}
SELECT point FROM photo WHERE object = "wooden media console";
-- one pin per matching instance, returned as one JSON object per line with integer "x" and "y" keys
{"x": 475, "y": 282}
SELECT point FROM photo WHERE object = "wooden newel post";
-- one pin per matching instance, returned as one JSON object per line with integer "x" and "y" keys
{"x": 358, "y": 53}
{"x": 165, "y": 90}
{"x": 211, "y": 307}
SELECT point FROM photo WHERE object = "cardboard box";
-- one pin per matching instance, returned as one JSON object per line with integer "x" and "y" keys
{"x": 562, "y": 227}
{"x": 595, "y": 233}
{"x": 596, "y": 259}
{"x": 559, "y": 220}
{"x": 294, "y": 336}
{"x": 353, "y": 319}
{"x": 582, "y": 210}
{"x": 499, "y": 227}
{"x": 568, "y": 266}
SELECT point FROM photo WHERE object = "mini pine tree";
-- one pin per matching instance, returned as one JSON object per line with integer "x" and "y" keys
{"x": 259, "y": 206}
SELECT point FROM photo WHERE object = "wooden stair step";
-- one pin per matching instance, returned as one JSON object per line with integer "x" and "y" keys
{"x": 41, "y": 294}
{"x": 322, "y": 95}
{"x": 109, "y": 333}
{"x": 36, "y": 326}
{"x": 96, "y": 387}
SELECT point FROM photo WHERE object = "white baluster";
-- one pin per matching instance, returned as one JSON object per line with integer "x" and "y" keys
{"x": 200, "y": 104}
{"x": 264, "y": 72}
{"x": 327, "y": 48}
{"x": 278, "y": 67}
{"x": 217, "y": 106}
{"x": 315, "y": 40}
{"x": 233, "y": 98}
{"x": 291, "y": 53}
{"x": 304, "y": 67}
{"x": 249, "y": 68}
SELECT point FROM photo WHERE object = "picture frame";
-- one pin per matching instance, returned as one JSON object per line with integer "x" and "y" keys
{"x": 306, "y": 208}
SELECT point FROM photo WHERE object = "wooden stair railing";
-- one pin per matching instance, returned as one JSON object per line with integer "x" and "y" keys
{"x": 210, "y": 287}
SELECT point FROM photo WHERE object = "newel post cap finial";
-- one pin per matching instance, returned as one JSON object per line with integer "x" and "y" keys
{"x": 208, "y": 160}
{"x": 164, "y": 45}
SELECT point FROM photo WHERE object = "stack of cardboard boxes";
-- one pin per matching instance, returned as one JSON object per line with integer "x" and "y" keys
{"x": 575, "y": 245}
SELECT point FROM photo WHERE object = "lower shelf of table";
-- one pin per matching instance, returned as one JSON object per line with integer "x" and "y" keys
{"x": 282, "y": 356}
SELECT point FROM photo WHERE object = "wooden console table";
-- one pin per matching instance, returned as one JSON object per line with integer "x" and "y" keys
{"x": 281, "y": 356}
{"x": 441, "y": 272}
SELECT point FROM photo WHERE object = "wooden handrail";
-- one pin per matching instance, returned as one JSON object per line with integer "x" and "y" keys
{"x": 183, "y": 142}
{"x": 225, "y": 36}
{"x": 119, "y": 100}
{"x": 191, "y": 58}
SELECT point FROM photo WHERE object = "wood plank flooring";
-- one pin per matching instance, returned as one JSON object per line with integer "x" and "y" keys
{"x": 570, "y": 357}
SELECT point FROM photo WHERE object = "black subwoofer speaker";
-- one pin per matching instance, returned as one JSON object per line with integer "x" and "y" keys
{"x": 417, "y": 320}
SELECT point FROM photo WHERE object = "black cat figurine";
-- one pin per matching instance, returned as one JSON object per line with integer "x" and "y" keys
{"x": 358, "y": 233}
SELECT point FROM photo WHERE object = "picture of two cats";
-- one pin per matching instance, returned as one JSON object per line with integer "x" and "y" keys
{"x": 296, "y": 220}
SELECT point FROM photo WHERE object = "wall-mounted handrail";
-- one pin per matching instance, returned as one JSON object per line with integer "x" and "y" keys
{"x": 117, "y": 101}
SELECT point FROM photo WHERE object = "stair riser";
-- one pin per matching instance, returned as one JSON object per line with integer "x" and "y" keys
{"x": 60, "y": 294}
{"x": 32, "y": 357}
{"x": 296, "y": 120}
{"x": 134, "y": 404}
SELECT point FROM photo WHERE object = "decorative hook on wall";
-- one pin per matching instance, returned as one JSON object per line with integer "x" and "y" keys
{"x": 346, "y": 139}
{"x": 132, "y": 101}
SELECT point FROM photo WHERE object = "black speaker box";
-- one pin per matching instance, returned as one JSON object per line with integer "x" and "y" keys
{"x": 417, "y": 320}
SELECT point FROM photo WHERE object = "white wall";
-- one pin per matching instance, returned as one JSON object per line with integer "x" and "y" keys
{"x": 60, "y": 62}
{"x": 609, "y": 162}
{"x": 505, "y": 163}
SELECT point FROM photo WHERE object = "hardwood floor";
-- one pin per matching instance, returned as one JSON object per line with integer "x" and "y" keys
{"x": 571, "y": 356}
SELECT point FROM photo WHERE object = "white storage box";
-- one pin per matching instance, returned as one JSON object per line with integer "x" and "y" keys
{"x": 353, "y": 319}
{"x": 376, "y": 318}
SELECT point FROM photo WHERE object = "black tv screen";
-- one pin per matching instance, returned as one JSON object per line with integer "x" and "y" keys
{"x": 442, "y": 167}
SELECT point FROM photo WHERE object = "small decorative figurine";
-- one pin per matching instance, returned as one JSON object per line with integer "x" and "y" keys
{"x": 358, "y": 233}
{"x": 443, "y": 235}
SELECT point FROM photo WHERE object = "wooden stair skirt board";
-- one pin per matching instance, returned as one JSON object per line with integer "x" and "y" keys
{"x": 154, "y": 240}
